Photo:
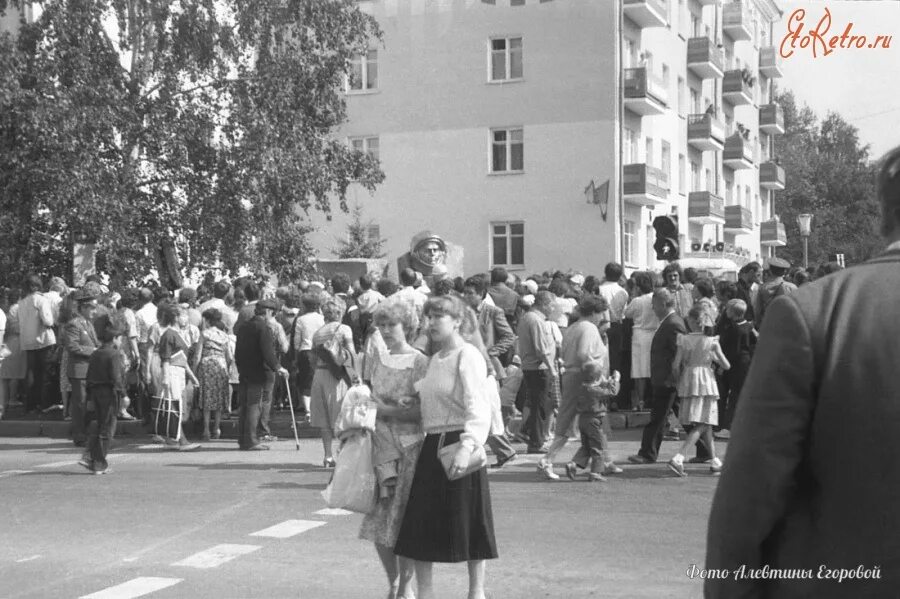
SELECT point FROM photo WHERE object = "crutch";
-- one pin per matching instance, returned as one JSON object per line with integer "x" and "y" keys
{"x": 287, "y": 386}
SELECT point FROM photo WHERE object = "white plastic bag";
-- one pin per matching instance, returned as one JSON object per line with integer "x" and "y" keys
{"x": 352, "y": 486}
{"x": 357, "y": 411}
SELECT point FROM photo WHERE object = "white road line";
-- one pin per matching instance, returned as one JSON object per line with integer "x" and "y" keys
{"x": 288, "y": 529}
{"x": 333, "y": 511}
{"x": 12, "y": 472}
{"x": 216, "y": 556}
{"x": 152, "y": 446}
{"x": 137, "y": 587}
{"x": 27, "y": 559}
{"x": 57, "y": 464}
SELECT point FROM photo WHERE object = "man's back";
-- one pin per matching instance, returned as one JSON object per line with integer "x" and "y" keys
{"x": 254, "y": 351}
{"x": 811, "y": 475}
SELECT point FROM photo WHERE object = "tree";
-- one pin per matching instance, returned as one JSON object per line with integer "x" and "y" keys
{"x": 178, "y": 133}
{"x": 830, "y": 175}
{"x": 359, "y": 243}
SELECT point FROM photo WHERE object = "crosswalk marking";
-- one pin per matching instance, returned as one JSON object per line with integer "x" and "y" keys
{"x": 137, "y": 587}
{"x": 27, "y": 559}
{"x": 12, "y": 472}
{"x": 287, "y": 529}
{"x": 216, "y": 556}
{"x": 57, "y": 464}
{"x": 333, "y": 511}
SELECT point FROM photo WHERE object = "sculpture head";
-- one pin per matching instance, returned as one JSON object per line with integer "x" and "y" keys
{"x": 428, "y": 249}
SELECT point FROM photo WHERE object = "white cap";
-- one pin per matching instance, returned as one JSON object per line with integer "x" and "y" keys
{"x": 531, "y": 285}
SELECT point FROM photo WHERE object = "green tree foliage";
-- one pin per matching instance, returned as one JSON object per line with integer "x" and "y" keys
{"x": 358, "y": 243}
{"x": 200, "y": 125}
{"x": 830, "y": 175}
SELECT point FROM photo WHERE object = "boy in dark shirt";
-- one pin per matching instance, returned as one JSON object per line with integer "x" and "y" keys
{"x": 591, "y": 405}
{"x": 738, "y": 342}
{"x": 105, "y": 386}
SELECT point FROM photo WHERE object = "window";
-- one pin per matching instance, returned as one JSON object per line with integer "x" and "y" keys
{"x": 729, "y": 57}
{"x": 708, "y": 178}
{"x": 369, "y": 145}
{"x": 506, "y": 58}
{"x": 647, "y": 61}
{"x": 507, "y": 150}
{"x": 682, "y": 176}
{"x": 695, "y": 101}
{"x": 508, "y": 244}
{"x": 630, "y": 53}
{"x": 746, "y": 196}
{"x": 364, "y": 72}
{"x": 517, "y": 3}
{"x": 666, "y": 162}
{"x": 729, "y": 124}
{"x": 696, "y": 25}
{"x": 680, "y": 96}
{"x": 695, "y": 176}
{"x": 648, "y": 148}
{"x": 630, "y": 146}
{"x": 665, "y": 76}
{"x": 729, "y": 192}
{"x": 628, "y": 239}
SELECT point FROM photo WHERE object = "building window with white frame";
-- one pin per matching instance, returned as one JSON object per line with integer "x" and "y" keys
{"x": 680, "y": 96}
{"x": 628, "y": 242}
{"x": 695, "y": 176}
{"x": 363, "y": 72}
{"x": 665, "y": 163}
{"x": 506, "y": 58}
{"x": 648, "y": 155}
{"x": 507, "y": 150}
{"x": 629, "y": 148}
{"x": 508, "y": 244}
{"x": 682, "y": 177}
{"x": 367, "y": 145}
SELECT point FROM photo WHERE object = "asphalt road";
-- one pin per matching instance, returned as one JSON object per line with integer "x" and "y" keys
{"x": 184, "y": 524}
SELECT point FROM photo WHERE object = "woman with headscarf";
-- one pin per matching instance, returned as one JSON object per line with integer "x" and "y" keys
{"x": 212, "y": 362}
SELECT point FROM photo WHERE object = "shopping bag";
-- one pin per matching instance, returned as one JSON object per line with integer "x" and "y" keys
{"x": 358, "y": 411}
{"x": 352, "y": 486}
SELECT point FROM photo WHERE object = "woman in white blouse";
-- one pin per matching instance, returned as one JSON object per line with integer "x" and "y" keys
{"x": 640, "y": 309}
{"x": 450, "y": 521}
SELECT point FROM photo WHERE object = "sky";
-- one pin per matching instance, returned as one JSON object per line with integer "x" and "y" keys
{"x": 863, "y": 85}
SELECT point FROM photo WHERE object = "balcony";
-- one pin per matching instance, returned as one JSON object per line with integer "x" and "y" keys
{"x": 644, "y": 93}
{"x": 735, "y": 90}
{"x": 644, "y": 185}
{"x": 771, "y": 176}
{"x": 705, "y": 132}
{"x": 772, "y": 233}
{"x": 738, "y": 220}
{"x": 705, "y": 208}
{"x": 647, "y": 13}
{"x": 705, "y": 58}
{"x": 706, "y": 2}
{"x": 737, "y": 154}
{"x": 771, "y": 119}
{"x": 770, "y": 62}
{"x": 736, "y": 21}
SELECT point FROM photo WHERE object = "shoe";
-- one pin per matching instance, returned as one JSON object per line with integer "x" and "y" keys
{"x": 268, "y": 438}
{"x": 205, "y": 437}
{"x": 53, "y": 408}
{"x": 547, "y": 471}
{"x": 596, "y": 477}
{"x": 503, "y": 461}
{"x": 571, "y": 470}
{"x": 259, "y": 447}
{"x": 639, "y": 459}
{"x": 715, "y": 467}
{"x": 189, "y": 447}
{"x": 677, "y": 467}
{"x": 125, "y": 416}
{"x": 520, "y": 438}
{"x": 611, "y": 469}
{"x": 536, "y": 450}
{"x": 106, "y": 470}
{"x": 217, "y": 434}
{"x": 724, "y": 434}
{"x": 86, "y": 463}
{"x": 699, "y": 460}
{"x": 328, "y": 462}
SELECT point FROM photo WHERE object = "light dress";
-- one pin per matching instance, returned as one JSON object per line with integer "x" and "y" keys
{"x": 697, "y": 384}
{"x": 640, "y": 309}
{"x": 393, "y": 377}
{"x": 213, "y": 371}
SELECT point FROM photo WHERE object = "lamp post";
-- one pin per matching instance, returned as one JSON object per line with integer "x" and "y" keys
{"x": 804, "y": 221}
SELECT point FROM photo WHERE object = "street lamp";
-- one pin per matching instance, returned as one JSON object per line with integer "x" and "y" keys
{"x": 804, "y": 221}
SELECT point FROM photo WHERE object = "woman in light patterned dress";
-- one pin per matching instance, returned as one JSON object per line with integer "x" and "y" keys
{"x": 393, "y": 373}
{"x": 212, "y": 361}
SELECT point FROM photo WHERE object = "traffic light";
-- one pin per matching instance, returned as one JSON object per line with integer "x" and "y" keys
{"x": 666, "y": 245}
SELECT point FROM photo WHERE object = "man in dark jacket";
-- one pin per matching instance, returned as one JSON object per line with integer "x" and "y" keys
{"x": 662, "y": 355}
{"x": 807, "y": 503}
{"x": 257, "y": 364}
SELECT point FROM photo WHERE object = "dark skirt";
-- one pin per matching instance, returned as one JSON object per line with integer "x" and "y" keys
{"x": 446, "y": 521}
{"x": 306, "y": 368}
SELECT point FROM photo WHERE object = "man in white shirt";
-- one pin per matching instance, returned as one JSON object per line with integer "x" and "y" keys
{"x": 145, "y": 317}
{"x": 616, "y": 298}
{"x": 410, "y": 293}
{"x": 37, "y": 340}
{"x": 220, "y": 292}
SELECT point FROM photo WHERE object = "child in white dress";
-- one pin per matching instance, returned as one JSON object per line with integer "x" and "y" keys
{"x": 697, "y": 389}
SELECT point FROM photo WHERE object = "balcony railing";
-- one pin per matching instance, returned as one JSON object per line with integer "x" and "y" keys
{"x": 738, "y": 220}
{"x": 644, "y": 185}
{"x": 771, "y": 176}
{"x": 771, "y": 119}
{"x": 772, "y": 233}
{"x": 644, "y": 93}
{"x": 737, "y": 153}
{"x": 736, "y": 21}
{"x": 735, "y": 89}
{"x": 647, "y": 13}
{"x": 705, "y": 132}
{"x": 770, "y": 62}
{"x": 705, "y": 58}
{"x": 706, "y": 208}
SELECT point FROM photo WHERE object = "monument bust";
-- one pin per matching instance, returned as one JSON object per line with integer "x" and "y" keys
{"x": 430, "y": 255}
